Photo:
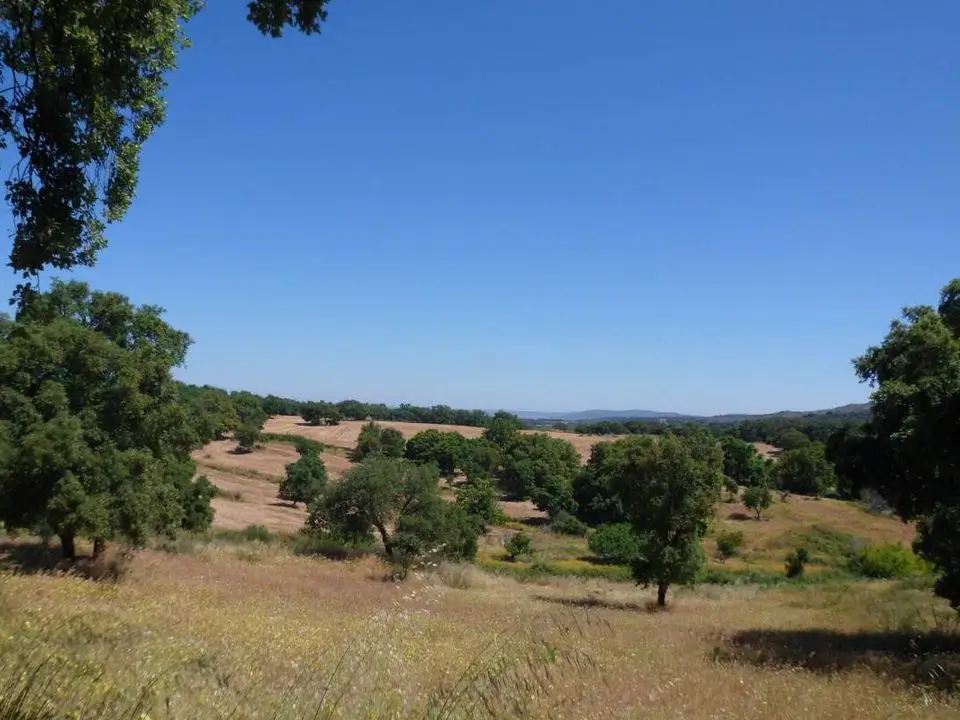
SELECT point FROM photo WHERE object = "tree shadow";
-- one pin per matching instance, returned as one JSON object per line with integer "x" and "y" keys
{"x": 39, "y": 558}
{"x": 592, "y": 601}
{"x": 535, "y": 521}
{"x": 928, "y": 658}
{"x": 739, "y": 516}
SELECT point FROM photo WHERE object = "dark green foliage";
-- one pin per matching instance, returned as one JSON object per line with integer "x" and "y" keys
{"x": 503, "y": 429}
{"x": 256, "y": 533}
{"x": 566, "y": 524}
{"x": 479, "y": 498}
{"x": 732, "y": 488}
{"x": 368, "y": 442}
{"x": 400, "y": 501}
{"x": 479, "y": 458}
{"x": 911, "y": 448}
{"x": 805, "y": 471}
{"x": 758, "y": 498}
{"x": 669, "y": 489}
{"x": 518, "y": 546}
{"x": 542, "y": 468}
{"x": 797, "y": 561}
{"x": 211, "y": 412}
{"x": 791, "y": 439}
{"x": 305, "y": 480}
{"x": 247, "y": 437}
{"x": 320, "y": 413}
{"x": 94, "y": 441}
{"x": 615, "y": 543}
{"x": 392, "y": 443}
{"x": 742, "y": 462}
{"x": 249, "y": 409}
{"x": 597, "y": 501}
{"x": 729, "y": 543}
{"x": 443, "y": 449}
{"x": 271, "y": 17}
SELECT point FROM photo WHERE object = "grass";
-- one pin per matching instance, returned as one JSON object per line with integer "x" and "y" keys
{"x": 210, "y": 634}
{"x": 239, "y": 471}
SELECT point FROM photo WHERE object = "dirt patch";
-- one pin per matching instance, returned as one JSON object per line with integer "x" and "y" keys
{"x": 270, "y": 460}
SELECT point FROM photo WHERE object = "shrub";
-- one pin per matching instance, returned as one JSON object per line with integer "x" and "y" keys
{"x": 758, "y": 499}
{"x": 728, "y": 543}
{"x": 566, "y": 524}
{"x": 890, "y": 560}
{"x": 247, "y": 437}
{"x": 479, "y": 498}
{"x": 520, "y": 545}
{"x": 797, "y": 563}
{"x": 615, "y": 543}
{"x": 256, "y": 533}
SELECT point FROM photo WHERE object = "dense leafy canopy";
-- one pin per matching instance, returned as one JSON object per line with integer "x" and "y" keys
{"x": 305, "y": 479}
{"x": 757, "y": 498}
{"x": 805, "y": 470}
{"x": 912, "y": 445}
{"x": 445, "y": 449}
{"x": 669, "y": 489}
{"x": 542, "y": 468}
{"x": 593, "y": 488}
{"x": 742, "y": 462}
{"x": 96, "y": 443}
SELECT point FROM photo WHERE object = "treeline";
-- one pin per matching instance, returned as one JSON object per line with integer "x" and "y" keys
{"x": 786, "y": 432}
{"x": 321, "y": 412}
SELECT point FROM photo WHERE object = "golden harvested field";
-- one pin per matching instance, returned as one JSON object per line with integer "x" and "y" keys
{"x": 345, "y": 434}
{"x": 249, "y": 631}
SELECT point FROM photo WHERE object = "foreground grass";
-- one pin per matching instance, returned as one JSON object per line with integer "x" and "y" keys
{"x": 250, "y": 631}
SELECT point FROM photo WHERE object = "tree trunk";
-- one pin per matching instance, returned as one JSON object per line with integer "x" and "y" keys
{"x": 68, "y": 546}
{"x": 385, "y": 536}
{"x": 99, "y": 545}
{"x": 662, "y": 594}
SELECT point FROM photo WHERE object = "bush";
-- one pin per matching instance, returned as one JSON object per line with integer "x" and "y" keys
{"x": 758, "y": 499}
{"x": 247, "y": 437}
{"x": 890, "y": 560}
{"x": 797, "y": 563}
{"x": 615, "y": 543}
{"x": 728, "y": 543}
{"x": 566, "y": 524}
{"x": 520, "y": 545}
{"x": 256, "y": 533}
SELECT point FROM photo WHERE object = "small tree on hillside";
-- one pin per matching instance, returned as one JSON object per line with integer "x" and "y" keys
{"x": 758, "y": 499}
{"x": 728, "y": 544}
{"x": 542, "y": 468}
{"x": 247, "y": 437}
{"x": 503, "y": 429}
{"x": 305, "y": 480}
{"x": 479, "y": 498}
{"x": 670, "y": 489}
{"x": 805, "y": 470}
{"x": 369, "y": 442}
{"x": 392, "y": 443}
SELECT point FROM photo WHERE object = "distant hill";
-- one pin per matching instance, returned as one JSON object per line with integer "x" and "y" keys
{"x": 851, "y": 411}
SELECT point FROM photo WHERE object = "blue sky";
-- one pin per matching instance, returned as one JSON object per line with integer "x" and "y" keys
{"x": 683, "y": 206}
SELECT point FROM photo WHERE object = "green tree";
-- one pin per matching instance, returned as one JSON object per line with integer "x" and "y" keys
{"x": 249, "y": 409}
{"x": 742, "y": 462}
{"x": 94, "y": 441}
{"x": 593, "y": 487}
{"x": 757, "y": 498}
{"x": 913, "y": 440}
{"x": 247, "y": 437}
{"x": 729, "y": 543}
{"x": 212, "y": 414}
{"x": 479, "y": 498}
{"x": 518, "y": 546}
{"x": 77, "y": 135}
{"x": 503, "y": 429}
{"x": 542, "y": 468}
{"x": 616, "y": 543}
{"x": 305, "y": 480}
{"x": 479, "y": 458}
{"x": 369, "y": 442}
{"x": 400, "y": 501}
{"x": 392, "y": 443}
{"x": 796, "y": 564}
{"x": 805, "y": 470}
{"x": 669, "y": 489}
{"x": 792, "y": 439}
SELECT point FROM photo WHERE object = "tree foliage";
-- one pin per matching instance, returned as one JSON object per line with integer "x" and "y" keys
{"x": 503, "y": 429}
{"x": 542, "y": 468}
{"x": 805, "y": 470}
{"x": 669, "y": 489}
{"x": 400, "y": 501}
{"x": 305, "y": 479}
{"x": 593, "y": 488}
{"x": 616, "y": 543}
{"x": 742, "y": 462}
{"x": 444, "y": 449}
{"x": 479, "y": 498}
{"x": 96, "y": 442}
{"x": 758, "y": 498}
{"x": 912, "y": 444}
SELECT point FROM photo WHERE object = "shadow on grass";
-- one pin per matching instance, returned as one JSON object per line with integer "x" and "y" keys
{"x": 927, "y": 658}
{"x": 591, "y": 601}
{"x": 36, "y": 558}
{"x": 740, "y": 516}
{"x": 535, "y": 521}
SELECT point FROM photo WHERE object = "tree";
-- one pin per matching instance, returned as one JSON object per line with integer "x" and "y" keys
{"x": 503, "y": 429}
{"x": 77, "y": 135}
{"x": 742, "y": 462}
{"x": 369, "y": 442}
{"x": 212, "y": 414}
{"x": 729, "y": 543}
{"x": 542, "y": 468}
{"x": 805, "y": 470}
{"x": 94, "y": 441}
{"x": 247, "y": 437}
{"x": 479, "y": 458}
{"x": 444, "y": 449}
{"x": 593, "y": 487}
{"x": 615, "y": 543}
{"x": 400, "y": 501}
{"x": 249, "y": 409}
{"x": 792, "y": 439}
{"x": 758, "y": 498}
{"x": 796, "y": 564}
{"x": 669, "y": 489}
{"x": 912, "y": 445}
{"x": 392, "y": 443}
{"x": 305, "y": 480}
{"x": 479, "y": 498}
{"x": 518, "y": 546}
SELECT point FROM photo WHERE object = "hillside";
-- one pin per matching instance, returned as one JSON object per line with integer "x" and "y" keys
{"x": 851, "y": 411}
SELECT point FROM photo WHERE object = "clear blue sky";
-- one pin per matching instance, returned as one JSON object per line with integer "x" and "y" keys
{"x": 682, "y": 206}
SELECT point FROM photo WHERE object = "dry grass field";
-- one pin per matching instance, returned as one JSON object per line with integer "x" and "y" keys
{"x": 250, "y": 631}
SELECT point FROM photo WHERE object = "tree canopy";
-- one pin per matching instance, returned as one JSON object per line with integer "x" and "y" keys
{"x": 669, "y": 489}
{"x": 542, "y": 468}
{"x": 912, "y": 444}
{"x": 805, "y": 470}
{"x": 305, "y": 479}
{"x": 96, "y": 443}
